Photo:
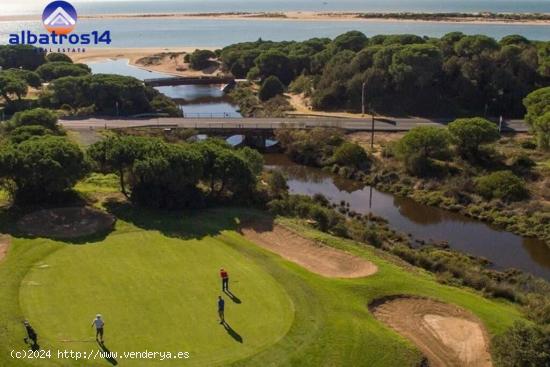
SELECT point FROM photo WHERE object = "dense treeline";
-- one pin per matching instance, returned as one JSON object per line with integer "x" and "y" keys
{"x": 452, "y": 75}
{"x": 105, "y": 94}
{"x": 162, "y": 175}
{"x": 72, "y": 87}
{"x": 38, "y": 163}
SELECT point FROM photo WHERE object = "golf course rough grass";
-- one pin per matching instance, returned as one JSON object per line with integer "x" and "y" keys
{"x": 155, "y": 280}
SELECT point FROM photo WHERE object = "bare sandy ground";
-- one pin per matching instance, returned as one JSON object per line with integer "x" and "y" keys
{"x": 288, "y": 16}
{"x": 446, "y": 334}
{"x": 317, "y": 258}
{"x": 5, "y": 241}
{"x": 163, "y": 60}
{"x": 301, "y": 106}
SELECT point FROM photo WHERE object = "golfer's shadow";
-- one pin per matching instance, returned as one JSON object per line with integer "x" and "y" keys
{"x": 232, "y": 332}
{"x": 34, "y": 346}
{"x": 233, "y": 297}
{"x": 107, "y": 354}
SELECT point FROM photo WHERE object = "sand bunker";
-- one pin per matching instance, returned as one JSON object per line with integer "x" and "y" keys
{"x": 66, "y": 223}
{"x": 446, "y": 334}
{"x": 312, "y": 255}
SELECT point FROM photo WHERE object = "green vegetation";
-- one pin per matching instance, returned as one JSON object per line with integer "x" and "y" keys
{"x": 72, "y": 88}
{"x": 201, "y": 59}
{"x": 538, "y": 115}
{"x": 501, "y": 185}
{"x": 470, "y": 134}
{"x": 164, "y": 175}
{"x": 21, "y": 56}
{"x": 60, "y": 69}
{"x": 58, "y": 57}
{"x": 523, "y": 345}
{"x": 476, "y": 186}
{"x": 420, "y": 147}
{"x": 270, "y": 88}
{"x": 38, "y": 116}
{"x": 456, "y": 74}
{"x": 42, "y": 167}
{"x": 352, "y": 155}
{"x": 250, "y": 104}
{"x": 105, "y": 94}
{"x": 426, "y": 165}
{"x": 170, "y": 264}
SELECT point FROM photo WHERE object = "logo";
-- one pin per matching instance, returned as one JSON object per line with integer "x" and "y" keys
{"x": 59, "y": 17}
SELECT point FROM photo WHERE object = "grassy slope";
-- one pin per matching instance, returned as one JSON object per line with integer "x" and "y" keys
{"x": 331, "y": 326}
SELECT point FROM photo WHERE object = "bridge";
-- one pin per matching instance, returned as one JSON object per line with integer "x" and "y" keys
{"x": 242, "y": 126}
{"x": 183, "y": 80}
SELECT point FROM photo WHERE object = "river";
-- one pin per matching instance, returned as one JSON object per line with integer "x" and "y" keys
{"x": 503, "y": 249}
{"x": 194, "y": 100}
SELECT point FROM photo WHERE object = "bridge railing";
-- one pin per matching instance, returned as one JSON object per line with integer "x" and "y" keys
{"x": 210, "y": 115}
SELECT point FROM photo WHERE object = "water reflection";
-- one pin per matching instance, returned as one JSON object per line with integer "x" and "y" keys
{"x": 194, "y": 100}
{"x": 503, "y": 249}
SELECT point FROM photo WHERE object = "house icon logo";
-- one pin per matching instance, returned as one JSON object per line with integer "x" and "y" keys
{"x": 59, "y": 17}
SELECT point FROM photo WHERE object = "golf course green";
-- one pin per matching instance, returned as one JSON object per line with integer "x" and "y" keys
{"x": 155, "y": 281}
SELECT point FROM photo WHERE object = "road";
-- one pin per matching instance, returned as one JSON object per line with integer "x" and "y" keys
{"x": 382, "y": 124}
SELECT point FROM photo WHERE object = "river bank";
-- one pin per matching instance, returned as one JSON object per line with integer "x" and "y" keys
{"x": 168, "y": 60}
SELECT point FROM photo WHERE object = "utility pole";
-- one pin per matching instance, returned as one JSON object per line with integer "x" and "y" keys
{"x": 372, "y": 130}
{"x": 500, "y": 120}
{"x": 116, "y": 104}
{"x": 363, "y": 98}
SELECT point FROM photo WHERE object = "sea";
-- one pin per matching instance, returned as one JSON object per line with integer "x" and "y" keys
{"x": 150, "y": 32}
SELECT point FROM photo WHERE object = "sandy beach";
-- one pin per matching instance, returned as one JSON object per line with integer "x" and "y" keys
{"x": 296, "y": 16}
{"x": 162, "y": 59}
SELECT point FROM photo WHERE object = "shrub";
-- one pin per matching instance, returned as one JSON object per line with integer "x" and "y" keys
{"x": 522, "y": 346}
{"x": 351, "y": 155}
{"x": 522, "y": 164}
{"x": 23, "y": 133}
{"x": 537, "y": 104}
{"x": 528, "y": 144}
{"x": 56, "y": 70}
{"x": 277, "y": 184}
{"x": 271, "y": 87}
{"x": 302, "y": 84}
{"x": 38, "y": 116}
{"x": 501, "y": 185}
{"x": 420, "y": 146}
{"x": 470, "y": 134}
{"x": 200, "y": 59}
{"x": 58, "y": 57}
{"x": 42, "y": 167}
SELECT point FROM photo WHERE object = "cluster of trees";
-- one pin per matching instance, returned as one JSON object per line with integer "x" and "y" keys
{"x": 72, "y": 87}
{"x": 321, "y": 147}
{"x": 424, "y": 149}
{"x": 537, "y": 104}
{"x": 59, "y": 69}
{"x": 106, "y": 94}
{"x": 200, "y": 59}
{"x": 26, "y": 66}
{"x": 455, "y": 74}
{"x": 38, "y": 163}
{"x": 162, "y": 175}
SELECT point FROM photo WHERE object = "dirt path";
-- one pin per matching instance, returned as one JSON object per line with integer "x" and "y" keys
{"x": 5, "y": 241}
{"x": 313, "y": 256}
{"x": 446, "y": 334}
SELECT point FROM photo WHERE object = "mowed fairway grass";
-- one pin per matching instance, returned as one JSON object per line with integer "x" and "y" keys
{"x": 155, "y": 280}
